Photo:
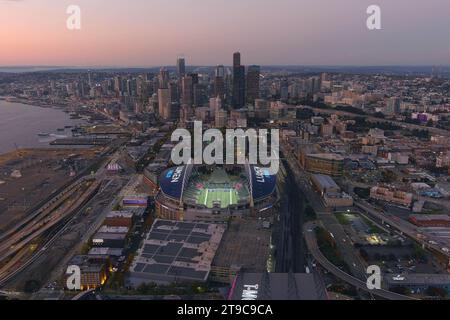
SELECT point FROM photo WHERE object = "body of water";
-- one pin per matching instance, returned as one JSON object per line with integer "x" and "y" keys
{"x": 21, "y": 123}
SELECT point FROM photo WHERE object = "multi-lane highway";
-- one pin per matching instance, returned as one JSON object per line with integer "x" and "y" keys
{"x": 51, "y": 217}
{"x": 403, "y": 227}
{"x": 311, "y": 241}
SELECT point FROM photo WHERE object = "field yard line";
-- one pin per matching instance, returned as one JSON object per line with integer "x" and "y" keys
{"x": 206, "y": 197}
{"x": 230, "y": 197}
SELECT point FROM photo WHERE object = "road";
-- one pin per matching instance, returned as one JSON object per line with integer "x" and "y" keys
{"x": 403, "y": 227}
{"x": 291, "y": 251}
{"x": 42, "y": 224}
{"x": 311, "y": 241}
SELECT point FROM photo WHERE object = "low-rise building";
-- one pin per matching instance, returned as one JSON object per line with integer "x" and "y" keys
{"x": 119, "y": 219}
{"x": 391, "y": 195}
{"x": 325, "y": 163}
{"x": 94, "y": 270}
{"x": 434, "y": 220}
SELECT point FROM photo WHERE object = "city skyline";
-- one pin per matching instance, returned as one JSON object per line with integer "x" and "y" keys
{"x": 207, "y": 32}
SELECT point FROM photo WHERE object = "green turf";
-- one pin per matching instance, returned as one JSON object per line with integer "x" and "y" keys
{"x": 226, "y": 197}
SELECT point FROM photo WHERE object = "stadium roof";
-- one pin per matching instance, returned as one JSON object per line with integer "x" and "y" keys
{"x": 263, "y": 183}
{"x": 171, "y": 182}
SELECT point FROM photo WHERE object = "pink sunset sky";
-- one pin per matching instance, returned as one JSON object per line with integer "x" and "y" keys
{"x": 207, "y": 32}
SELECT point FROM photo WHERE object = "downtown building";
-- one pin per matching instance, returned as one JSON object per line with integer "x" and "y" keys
{"x": 253, "y": 90}
{"x": 238, "y": 94}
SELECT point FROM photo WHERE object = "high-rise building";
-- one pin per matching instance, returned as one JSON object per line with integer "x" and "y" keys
{"x": 117, "y": 84}
{"x": 164, "y": 103}
{"x": 199, "y": 95}
{"x": 236, "y": 59}
{"x": 163, "y": 78}
{"x": 187, "y": 91}
{"x": 181, "y": 68}
{"x": 174, "y": 92}
{"x": 220, "y": 71}
{"x": 219, "y": 87}
{"x": 238, "y": 95}
{"x": 253, "y": 73}
{"x": 393, "y": 106}
{"x": 221, "y": 118}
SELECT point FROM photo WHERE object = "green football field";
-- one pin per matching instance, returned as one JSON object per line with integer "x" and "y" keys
{"x": 226, "y": 197}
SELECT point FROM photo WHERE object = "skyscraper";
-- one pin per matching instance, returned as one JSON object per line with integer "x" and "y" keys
{"x": 164, "y": 103}
{"x": 393, "y": 106}
{"x": 219, "y": 82}
{"x": 187, "y": 91}
{"x": 236, "y": 59}
{"x": 238, "y": 99}
{"x": 181, "y": 68}
{"x": 253, "y": 83}
{"x": 220, "y": 71}
{"x": 163, "y": 78}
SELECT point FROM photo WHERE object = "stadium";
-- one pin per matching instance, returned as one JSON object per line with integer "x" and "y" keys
{"x": 214, "y": 193}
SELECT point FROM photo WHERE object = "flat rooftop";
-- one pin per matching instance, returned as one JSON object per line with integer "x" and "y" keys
{"x": 277, "y": 286}
{"x": 120, "y": 214}
{"x": 327, "y": 156}
{"x": 176, "y": 250}
{"x": 114, "y": 252}
{"x": 325, "y": 182}
{"x": 245, "y": 244}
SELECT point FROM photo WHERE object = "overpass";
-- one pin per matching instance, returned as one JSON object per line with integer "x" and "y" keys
{"x": 313, "y": 248}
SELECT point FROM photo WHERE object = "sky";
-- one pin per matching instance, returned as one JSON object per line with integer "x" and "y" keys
{"x": 144, "y": 33}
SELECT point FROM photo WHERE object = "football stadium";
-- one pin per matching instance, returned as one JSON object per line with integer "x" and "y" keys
{"x": 214, "y": 193}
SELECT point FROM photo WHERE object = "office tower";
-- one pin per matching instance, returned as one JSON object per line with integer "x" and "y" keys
{"x": 220, "y": 71}
{"x": 129, "y": 87}
{"x": 284, "y": 90}
{"x": 253, "y": 73}
{"x": 174, "y": 91}
{"x": 164, "y": 103}
{"x": 221, "y": 118}
{"x": 195, "y": 78}
{"x": 163, "y": 78}
{"x": 238, "y": 99}
{"x": 316, "y": 84}
{"x": 90, "y": 79}
{"x": 140, "y": 89}
{"x": 181, "y": 68}
{"x": 219, "y": 89}
{"x": 236, "y": 59}
{"x": 393, "y": 106}
{"x": 149, "y": 76}
{"x": 187, "y": 88}
{"x": 199, "y": 94}
{"x": 215, "y": 104}
{"x": 117, "y": 84}
{"x": 155, "y": 84}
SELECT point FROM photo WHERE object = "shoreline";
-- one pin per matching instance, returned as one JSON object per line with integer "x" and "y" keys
{"x": 32, "y": 103}
{"x": 28, "y": 140}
